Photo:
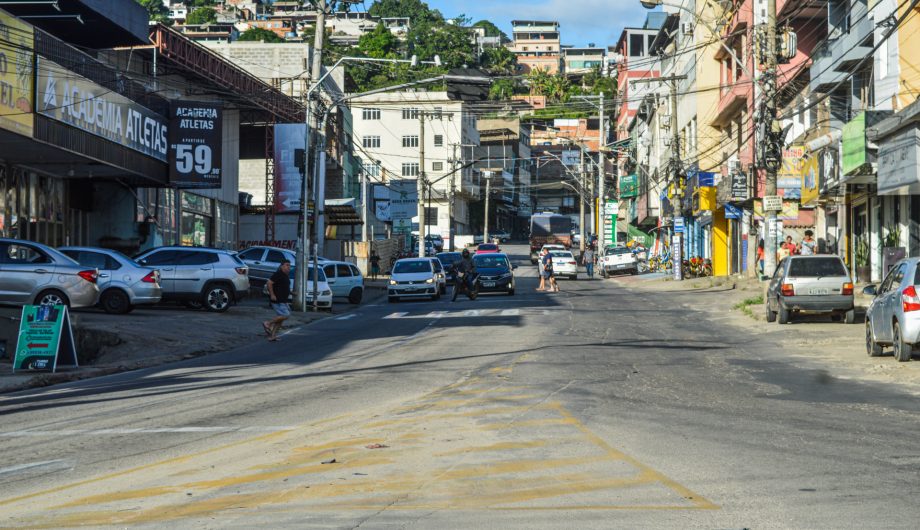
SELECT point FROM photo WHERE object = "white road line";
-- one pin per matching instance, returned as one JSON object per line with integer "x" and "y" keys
{"x": 436, "y": 314}
{"x": 510, "y": 312}
{"x": 395, "y": 315}
{"x": 31, "y": 465}
{"x": 472, "y": 313}
{"x": 347, "y": 317}
{"x": 153, "y": 430}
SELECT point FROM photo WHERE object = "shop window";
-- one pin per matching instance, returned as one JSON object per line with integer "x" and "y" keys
{"x": 196, "y": 229}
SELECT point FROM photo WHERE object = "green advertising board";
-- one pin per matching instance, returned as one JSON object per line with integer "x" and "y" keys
{"x": 854, "y": 144}
{"x": 629, "y": 186}
{"x": 45, "y": 339}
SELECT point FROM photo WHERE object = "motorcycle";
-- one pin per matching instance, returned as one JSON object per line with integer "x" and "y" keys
{"x": 468, "y": 283}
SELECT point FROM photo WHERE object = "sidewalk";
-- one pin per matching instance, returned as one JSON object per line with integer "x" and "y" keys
{"x": 813, "y": 338}
{"x": 108, "y": 344}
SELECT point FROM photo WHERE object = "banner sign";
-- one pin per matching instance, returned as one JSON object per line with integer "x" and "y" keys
{"x": 72, "y": 99}
{"x": 677, "y": 245}
{"x": 739, "y": 188}
{"x": 289, "y": 137}
{"x": 789, "y": 177}
{"x": 629, "y": 186}
{"x": 16, "y": 75}
{"x": 45, "y": 339}
{"x": 678, "y": 225}
{"x": 811, "y": 173}
{"x": 403, "y": 201}
{"x": 733, "y": 212}
{"x": 195, "y": 144}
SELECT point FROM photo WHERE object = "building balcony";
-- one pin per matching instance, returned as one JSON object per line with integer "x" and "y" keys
{"x": 733, "y": 98}
{"x": 840, "y": 54}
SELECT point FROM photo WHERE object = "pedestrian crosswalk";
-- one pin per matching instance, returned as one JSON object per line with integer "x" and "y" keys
{"x": 471, "y": 313}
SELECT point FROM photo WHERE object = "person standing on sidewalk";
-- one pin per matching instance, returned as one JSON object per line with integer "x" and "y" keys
{"x": 375, "y": 264}
{"x": 588, "y": 260}
{"x": 279, "y": 291}
{"x": 808, "y": 246}
{"x": 542, "y": 270}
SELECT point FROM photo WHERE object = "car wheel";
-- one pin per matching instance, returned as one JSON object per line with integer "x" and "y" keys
{"x": 393, "y": 299}
{"x": 902, "y": 350}
{"x": 52, "y": 297}
{"x": 771, "y": 315}
{"x": 115, "y": 301}
{"x": 217, "y": 298}
{"x": 355, "y": 295}
{"x": 872, "y": 347}
{"x": 784, "y": 315}
{"x": 849, "y": 317}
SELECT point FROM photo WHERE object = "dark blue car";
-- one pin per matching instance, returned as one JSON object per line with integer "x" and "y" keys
{"x": 496, "y": 273}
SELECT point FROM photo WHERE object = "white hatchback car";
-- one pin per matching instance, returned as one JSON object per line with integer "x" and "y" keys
{"x": 345, "y": 279}
{"x": 564, "y": 264}
{"x": 413, "y": 278}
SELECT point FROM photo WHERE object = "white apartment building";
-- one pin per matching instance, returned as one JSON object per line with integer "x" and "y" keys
{"x": 385, "y": 135}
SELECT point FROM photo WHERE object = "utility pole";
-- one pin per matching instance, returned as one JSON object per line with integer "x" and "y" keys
{"x": 772, "y": 141}
{"x": 601, "y": 192}
{"x": 421, "y": 184}
{"x": 485, "y": 225}
{"x": 450, "y": 199}
{"x": 581, "y": 202}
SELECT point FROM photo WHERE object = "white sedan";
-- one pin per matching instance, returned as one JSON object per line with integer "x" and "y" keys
{"x": 413, "y": 278}
{"x": 564, "y": 264}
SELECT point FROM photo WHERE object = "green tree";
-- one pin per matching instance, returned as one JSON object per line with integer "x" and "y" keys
{"x": 499, "y": 61}
{"x": 555, "y": 87}
{"x": 502, "y": 89}
{"x": 156, "y": 10}
{"x": 260, "y": 34}
{"x": 416, "y": 10}
{"x": 202, "y": 15}
{"x": 379, "y": 43}
{"x": 492, "y": 30}
{"x": 452, "y": 43}
{"x": 200, "y": 3}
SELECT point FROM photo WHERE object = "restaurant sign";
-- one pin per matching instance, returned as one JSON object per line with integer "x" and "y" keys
{"x": 72, "y": 99}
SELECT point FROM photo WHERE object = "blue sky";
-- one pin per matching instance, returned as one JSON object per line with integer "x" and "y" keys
{"x": 582, "y": 21}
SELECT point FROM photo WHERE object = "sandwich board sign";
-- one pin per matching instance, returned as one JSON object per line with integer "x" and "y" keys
{"x": 45, "y": 339}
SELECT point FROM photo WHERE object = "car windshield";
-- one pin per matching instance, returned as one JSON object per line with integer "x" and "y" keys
{"x": 494, "y": 261}
{"x": 815, "y": 267}
{"x": 616, "y": 250}
{"x": 412, "y": 267}
{"x": 488, "y": 247}
{"x": 449, "y": 258}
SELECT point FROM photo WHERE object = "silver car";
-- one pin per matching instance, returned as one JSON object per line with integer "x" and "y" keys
{"x": 33, "y": 274}
{"x": 810, "y": 283}
{"x": 893, "y": 317}
{"x": 207, "y": 277}
{"x": 264, "y": 261}
{"x": 123, "y": 284}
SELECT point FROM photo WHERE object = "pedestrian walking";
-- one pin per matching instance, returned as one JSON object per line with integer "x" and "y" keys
{"x": 542, "y": 270}
{"x": 279, "y": 291}
{"x": 375, "y": 264}
{"x": 588, "y": 259}
{"x": 760, "y": 257}
{"x": 808, "y": 246}
{"x": 553, "y": 287}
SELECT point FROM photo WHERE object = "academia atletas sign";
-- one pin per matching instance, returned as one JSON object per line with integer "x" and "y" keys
{"x": 72, "y": 99}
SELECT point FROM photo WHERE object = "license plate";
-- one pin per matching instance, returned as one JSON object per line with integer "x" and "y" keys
{"x": 488, "y": 284}
{"x": 818, "y": 291}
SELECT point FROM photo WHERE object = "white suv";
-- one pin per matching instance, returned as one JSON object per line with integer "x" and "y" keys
{"x": 206, "y": 277}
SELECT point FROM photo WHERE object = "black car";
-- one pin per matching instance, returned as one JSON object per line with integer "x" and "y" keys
{"x": 495, "y": 273}
{"x": 449, "y": 259}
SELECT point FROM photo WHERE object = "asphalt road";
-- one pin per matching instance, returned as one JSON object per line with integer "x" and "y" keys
{"x": 595, "y": 407}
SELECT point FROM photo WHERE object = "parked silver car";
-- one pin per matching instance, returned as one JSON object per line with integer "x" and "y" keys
{"x": 893, "y": 317}
{"x": 122, "y": 283}
{"x": 32, "y": 273}
{"x": 264, "y": 261}
{"x": 810, "y": 283}
{"x": 198, "y": 276}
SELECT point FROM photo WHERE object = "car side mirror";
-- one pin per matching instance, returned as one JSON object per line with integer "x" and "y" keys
{"x": 870, "y": 290}
{"x": 514, "y": 267}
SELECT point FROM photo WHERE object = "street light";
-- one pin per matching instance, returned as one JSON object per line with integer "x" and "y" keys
{"x": 301, "y": 277}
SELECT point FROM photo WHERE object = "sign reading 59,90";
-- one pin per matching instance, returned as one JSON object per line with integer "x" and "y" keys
{"x": 195, "y": 145}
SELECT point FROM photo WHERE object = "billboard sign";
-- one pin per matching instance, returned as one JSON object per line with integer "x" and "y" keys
{"x": 403, "y": 201}
{"x": 289, "y": 137}
{"x": 72, "y": 99}
{"x": 16, "y": 75}
{"x": 195, "y": 144}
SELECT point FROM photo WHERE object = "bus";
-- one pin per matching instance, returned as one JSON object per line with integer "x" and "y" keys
{"x": 549, "y": 228}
